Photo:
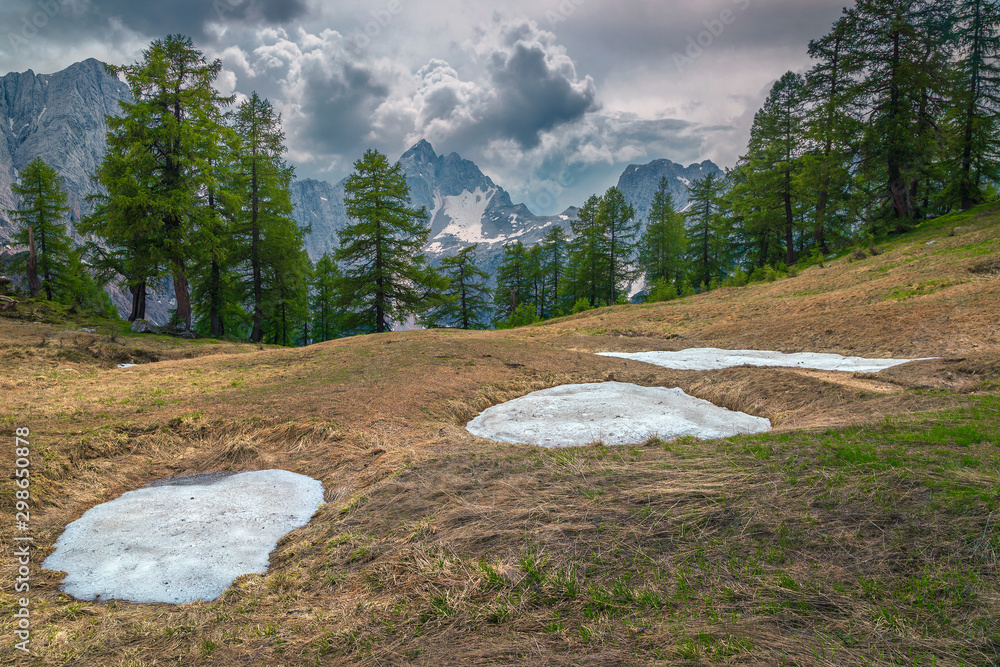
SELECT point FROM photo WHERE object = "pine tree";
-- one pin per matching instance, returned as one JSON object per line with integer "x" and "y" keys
{"x": 662, "y": 246}
{"x": 588, "y": 255}
{"x": 40, "y": 218}
{"x": 706, "y": 244}
{"x": 267, "y": 204}
{"x": 893, "y": 55}
{"x": 465, "y": 301}
{"x": 513, "y": 281}
{"x": 616, "y": 218}
{"x": 385, "y": 277}
{"x": 974, "y": 118}
{"x": 554, "y": 250}
{"x": 156, "y": 166}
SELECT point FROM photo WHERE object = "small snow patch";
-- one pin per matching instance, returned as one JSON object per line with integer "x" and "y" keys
{"x": 183, "y": 540}
{"x": 127, "y": 365}
{"x": 615, "y": 413}
{"x": 710, "y": 358}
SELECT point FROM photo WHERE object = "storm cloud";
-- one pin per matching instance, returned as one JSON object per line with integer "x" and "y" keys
{"x": 550, "y": 98}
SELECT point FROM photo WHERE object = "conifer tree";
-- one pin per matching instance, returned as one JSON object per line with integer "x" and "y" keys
{"x": 893, "y": 61}
{"x": 513, "y": 281}
{"x": 156, "y": 166}
{"x": 825, "y": 176}
{"x": 616, "y": 218}
{"x": 662, "y": 246}
{"x": 588, "y": 255}
{"x": 266, "y": 219}
{"x": 41, "y": 226}
{"x": 554, "y": 251}
{"x": 385, "y": 278}
{"x": 706, "y": 242}
{"x": 974, "y": 116}
{"x": 772, "y": 163}
{"x": 465, "y": 301}
{"x": 327, "y": 321}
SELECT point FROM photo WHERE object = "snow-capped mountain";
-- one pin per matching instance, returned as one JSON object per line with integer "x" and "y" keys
{"x": 639, "y": 183}
{"x": 464, "y": 207}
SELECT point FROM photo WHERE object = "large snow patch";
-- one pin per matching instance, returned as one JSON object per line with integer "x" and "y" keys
{"x": 184, "y": 540}
{"x": 710, "y": 358}
{"x": 615, "y": 413}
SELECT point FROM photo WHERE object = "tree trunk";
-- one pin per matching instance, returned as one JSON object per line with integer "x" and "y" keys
{"x": 789, "y": 222}
{"x": 216, "y": 327}
{"x": 898, "y": 188}
{"x": 183, "y": 295}
{"x": 34, "y": 284}
{"x": 138, "y": 301}
{"x": 257, "y": 333}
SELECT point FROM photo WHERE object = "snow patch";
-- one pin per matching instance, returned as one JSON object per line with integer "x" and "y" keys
{"x": 185, "y": 540}
{"x": 615, "y": 413}
{"x": 466, "y": 212}
{"x": 710, "y": 358}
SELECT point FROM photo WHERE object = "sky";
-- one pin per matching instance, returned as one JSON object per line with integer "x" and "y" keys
{"x": 551, "y": 98}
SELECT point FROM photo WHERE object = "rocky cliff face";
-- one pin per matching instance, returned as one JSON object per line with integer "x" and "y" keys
{"x": 60, "y": 118}
{"x": 639, "y": 183}
{"x": 464, "y": 206}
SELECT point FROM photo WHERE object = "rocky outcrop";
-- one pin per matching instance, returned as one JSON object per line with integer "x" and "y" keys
{"x": 639, "y": 182}
{"x": 60, "y": 118}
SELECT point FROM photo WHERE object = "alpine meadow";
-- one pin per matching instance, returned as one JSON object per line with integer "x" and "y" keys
{"x": 282, "y": 384}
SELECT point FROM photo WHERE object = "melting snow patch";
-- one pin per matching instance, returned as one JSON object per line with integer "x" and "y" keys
{"x": 613, "y": 412}
{"x": 184, "y": 540}
{"x": 710, "y": 358}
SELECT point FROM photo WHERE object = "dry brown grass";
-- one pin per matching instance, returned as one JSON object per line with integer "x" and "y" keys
{"x": 871, "y": 542}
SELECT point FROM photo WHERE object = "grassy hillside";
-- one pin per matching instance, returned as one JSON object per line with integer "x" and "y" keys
{"x": 863, "y": 530}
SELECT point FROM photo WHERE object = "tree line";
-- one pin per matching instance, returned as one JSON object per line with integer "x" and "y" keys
{"x": 898, "y": 120}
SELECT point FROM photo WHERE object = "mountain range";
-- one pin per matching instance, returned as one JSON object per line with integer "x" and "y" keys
{"x": 61, "y": 117}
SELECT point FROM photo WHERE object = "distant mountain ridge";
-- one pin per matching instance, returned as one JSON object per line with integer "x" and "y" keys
{"x": 464, "y": 207}
{"x": 639, "y": 183}
{"x": 61, "y": 117}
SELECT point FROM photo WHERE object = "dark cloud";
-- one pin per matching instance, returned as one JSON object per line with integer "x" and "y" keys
{"x": 188, "y": 17}
{"x": 531, "y": 88}
{"x": 337, "y": 109}
{"x": 533, "y": 97}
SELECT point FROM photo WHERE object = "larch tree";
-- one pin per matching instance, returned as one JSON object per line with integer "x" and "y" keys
{"x": 554, "y": 256}
{"x": 385, "y": 276}
{"x": 588, "y": 255}
{"x": 465, "y": 302}
{"x": 40, "y": 217}
{"x": 705, "y": 242}
{"x": 267, "y": 207}
{"x": 616, "y": 218}
{"x": 157, "y": 164}
{"x": 661, "y": 248}
{"x": 974, "y": 117}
